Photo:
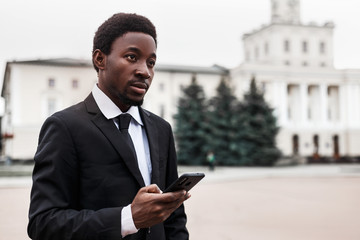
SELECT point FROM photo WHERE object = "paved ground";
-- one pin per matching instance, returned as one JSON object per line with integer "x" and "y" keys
{"x": 286, "y": 203}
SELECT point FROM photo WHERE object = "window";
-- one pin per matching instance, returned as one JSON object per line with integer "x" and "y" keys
{"x": 287, "y": 46}
{"x": 293, "y": 103}
{"x": 295, "y": 142}
{"x": 51, "y": 83}
{"x": 75, "y": 84}
{"x": 333, "y": 106}
{"x": 313, "y": 104}
{"x": 162, "y": 111}
{"x": 316, "y": 146}
{"x": 305, "y": 46}
{"x": 305, "y": 64}
{"x": 336, "y": 147}
{"x": 51, "y": 106}
{"x": 266, "y": 48}
{"x": 322, "y": 48}
{"x": 287, "y": 63}
{"x": 322, "y": 64}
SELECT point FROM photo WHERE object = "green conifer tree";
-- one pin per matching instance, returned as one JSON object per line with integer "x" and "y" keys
{"x": 256, "y": 140}
{"x": 222, "y": 128}
{"x": 190, "y": 126}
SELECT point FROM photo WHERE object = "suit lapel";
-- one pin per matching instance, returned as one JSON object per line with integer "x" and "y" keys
{"x": 108, "y": 128}
{"x": 153, "y": 136}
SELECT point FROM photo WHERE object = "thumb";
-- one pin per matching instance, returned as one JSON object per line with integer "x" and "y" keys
{"x": 153, "y": 188}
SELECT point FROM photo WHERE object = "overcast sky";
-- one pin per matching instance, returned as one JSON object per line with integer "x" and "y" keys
{"x": 190, "y": 32}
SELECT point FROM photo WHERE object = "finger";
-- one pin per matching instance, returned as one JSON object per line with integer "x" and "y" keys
{"x": 169, "y": 197}
{"x": 180, "y": 193}
{"x": 172, "y": 206}
{"x": 153, "y": 188}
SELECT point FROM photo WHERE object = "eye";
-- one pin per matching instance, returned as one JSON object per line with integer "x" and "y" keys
{"x": 131, "y": 57}
{"x": 151, "y": 62}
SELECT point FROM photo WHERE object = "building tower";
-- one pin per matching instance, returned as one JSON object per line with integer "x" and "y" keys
{"x": 285, "y": 11}
{"x": 292, "y": 62}
{"x": 287, "y": 42}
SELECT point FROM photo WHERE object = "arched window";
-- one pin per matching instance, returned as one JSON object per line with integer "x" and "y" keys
{"x": 295, "y": 143}
{"x": 316, "y": 146}
{"x": 336, "y": 147}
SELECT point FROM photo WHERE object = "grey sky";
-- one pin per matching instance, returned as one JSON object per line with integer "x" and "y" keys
{"x": 190, "y": 32}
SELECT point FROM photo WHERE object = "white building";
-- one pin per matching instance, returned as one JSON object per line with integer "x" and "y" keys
{"x": 33, "y": 90}
{"x": 318, "y": 107}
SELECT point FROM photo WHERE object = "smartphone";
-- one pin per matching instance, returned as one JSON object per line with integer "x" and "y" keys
{"x": 185, "y": 182}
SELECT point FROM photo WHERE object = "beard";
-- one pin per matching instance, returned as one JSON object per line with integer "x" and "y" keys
{"x": 126, "y": 100}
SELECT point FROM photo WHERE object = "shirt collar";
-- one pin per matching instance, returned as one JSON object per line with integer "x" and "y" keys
{"x": 109, "y": 109}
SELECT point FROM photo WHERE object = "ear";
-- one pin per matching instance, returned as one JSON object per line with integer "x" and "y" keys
{"x": 99, "y": 59}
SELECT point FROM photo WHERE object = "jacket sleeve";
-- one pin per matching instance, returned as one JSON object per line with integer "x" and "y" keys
{"x": 54, "y": 212}
{"x": 175, "y": 225}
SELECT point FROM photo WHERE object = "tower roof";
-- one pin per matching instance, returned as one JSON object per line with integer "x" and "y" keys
{"x": 285, "y": 11}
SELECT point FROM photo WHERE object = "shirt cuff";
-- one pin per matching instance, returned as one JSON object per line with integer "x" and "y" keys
{"x": 127, "y": 222}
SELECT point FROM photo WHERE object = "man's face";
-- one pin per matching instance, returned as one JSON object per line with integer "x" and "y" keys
{"x": 128, "y": 70}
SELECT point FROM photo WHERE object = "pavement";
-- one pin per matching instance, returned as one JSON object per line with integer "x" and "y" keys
{"x": 304, "y": 202}
{"x": 238, "y": 173}
{"x": 20, "y": 175}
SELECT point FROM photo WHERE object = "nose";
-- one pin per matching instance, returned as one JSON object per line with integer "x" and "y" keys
{"x": 143, "y": 71}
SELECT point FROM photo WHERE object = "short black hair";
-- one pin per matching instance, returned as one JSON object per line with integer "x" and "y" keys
{"x": 118, "y": 25}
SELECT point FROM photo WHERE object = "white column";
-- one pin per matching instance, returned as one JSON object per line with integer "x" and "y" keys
{"x": 304, "y": 104}
{"x": 353, "y": 105}
{"x": 343, "y": 105}
{"x": 281, "y": 102}
{"x": 356, "y": 106}
{"x": 323, "y": 104}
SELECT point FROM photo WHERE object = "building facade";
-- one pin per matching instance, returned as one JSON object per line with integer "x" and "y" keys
{"x": 317, "y": 106}
{"x": 33, "y": 90}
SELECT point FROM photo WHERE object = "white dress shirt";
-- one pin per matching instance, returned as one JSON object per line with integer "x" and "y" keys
{"x": 141, "y": 144}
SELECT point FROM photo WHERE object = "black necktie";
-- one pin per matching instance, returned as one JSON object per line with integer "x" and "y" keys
{"x": 124, "y": 121}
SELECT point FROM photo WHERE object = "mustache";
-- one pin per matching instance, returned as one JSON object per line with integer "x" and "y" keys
{"x": 139, "y": 83}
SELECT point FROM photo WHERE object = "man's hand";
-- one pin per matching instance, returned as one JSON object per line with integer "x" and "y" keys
{"x": 150, "y": 206}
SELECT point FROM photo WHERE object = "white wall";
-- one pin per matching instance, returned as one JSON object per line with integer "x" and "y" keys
{"x": 30, "y": 94}
{"x": 275, "y": 36}
{"x": 29, "y": 97}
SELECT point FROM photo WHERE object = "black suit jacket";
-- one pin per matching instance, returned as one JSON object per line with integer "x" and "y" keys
{"x": 84, "y": 176}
